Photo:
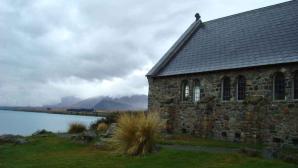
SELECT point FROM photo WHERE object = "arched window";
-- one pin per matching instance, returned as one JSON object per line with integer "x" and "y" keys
{"x": 225, "y": 89}
{"x": 185, "y": 90}
{"x": 241, "y": 87}
{"x": 279, "y": 86}
{"x": 196, "y": 91}
{"x": 295, "y": 86}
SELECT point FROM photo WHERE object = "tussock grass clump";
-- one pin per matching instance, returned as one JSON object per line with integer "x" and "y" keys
{"x": 136, "y": 133}
{"x": 75, "y": 128}
{"x": 102, "y": 127}
{"x": 112, "y": 118}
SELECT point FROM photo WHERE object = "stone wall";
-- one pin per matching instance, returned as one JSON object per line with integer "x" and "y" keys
{"x": 258, "y": 118}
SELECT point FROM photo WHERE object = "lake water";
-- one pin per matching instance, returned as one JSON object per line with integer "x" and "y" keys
{"x": 26, "y": 123}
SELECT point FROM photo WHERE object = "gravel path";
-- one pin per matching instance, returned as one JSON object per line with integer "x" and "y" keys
{"x": 200, "y": 148}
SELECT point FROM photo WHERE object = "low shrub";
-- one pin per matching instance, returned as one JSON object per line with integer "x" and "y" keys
{"x": 136, "y": 133}
{"x": 249, "y": 152}
{"x": 42, "y": 132}
{"x": 75, "y": 128}
{"x": 107, "y": 120}
{"x": 102, "y": 127}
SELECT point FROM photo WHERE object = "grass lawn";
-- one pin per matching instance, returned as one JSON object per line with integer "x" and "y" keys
{"x": 52, "y": 151}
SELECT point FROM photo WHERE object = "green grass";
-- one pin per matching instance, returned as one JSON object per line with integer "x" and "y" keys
{"x": 52, "y": 151}
{"x": 195, "y": 141}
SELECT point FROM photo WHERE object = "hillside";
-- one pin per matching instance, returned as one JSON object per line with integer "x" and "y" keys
{"x": 135, "y": 102}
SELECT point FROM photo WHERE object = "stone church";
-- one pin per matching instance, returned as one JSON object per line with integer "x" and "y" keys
{"x": 234, "y": 78}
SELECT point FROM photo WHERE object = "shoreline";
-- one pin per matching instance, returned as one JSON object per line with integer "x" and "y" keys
{"x": 63, "y": 111}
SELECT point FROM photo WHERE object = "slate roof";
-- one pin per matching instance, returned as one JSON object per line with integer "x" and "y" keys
{"x": 259, "y": 37}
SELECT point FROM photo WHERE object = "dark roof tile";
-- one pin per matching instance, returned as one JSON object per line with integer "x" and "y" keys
{"x": 260, "y": 37}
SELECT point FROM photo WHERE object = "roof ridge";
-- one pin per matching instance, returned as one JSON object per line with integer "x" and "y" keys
{"x": 253, "y": 10}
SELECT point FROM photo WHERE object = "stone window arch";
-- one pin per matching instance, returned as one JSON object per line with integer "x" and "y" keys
{"x": 196, "y": 91}
{"x": 295, "y": 85}
{"x": 241, "y": 88}
{"x": 279, "y": 87}
{"x": 226, "y": 89}
{"x": 185, "y": 90}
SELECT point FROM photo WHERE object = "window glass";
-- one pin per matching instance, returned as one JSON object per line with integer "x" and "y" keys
{"x": 196, "y": 92}
{"x": 226, "y": 94}
{"x": 185, "y": 90}
{"x": 296, "y": 85}
{"x": 241, "y": 86}
{"x": 279, "y": 87}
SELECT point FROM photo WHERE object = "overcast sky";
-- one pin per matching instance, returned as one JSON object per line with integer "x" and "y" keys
{"x": 85, "y": 48}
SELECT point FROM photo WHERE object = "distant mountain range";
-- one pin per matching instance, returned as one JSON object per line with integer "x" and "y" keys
{"x": 135, "y": 102}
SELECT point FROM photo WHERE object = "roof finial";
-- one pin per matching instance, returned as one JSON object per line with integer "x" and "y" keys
{"x": 198, "y": 17}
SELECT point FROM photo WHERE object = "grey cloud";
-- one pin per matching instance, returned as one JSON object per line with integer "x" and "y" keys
{"x": 50, "y": 48}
